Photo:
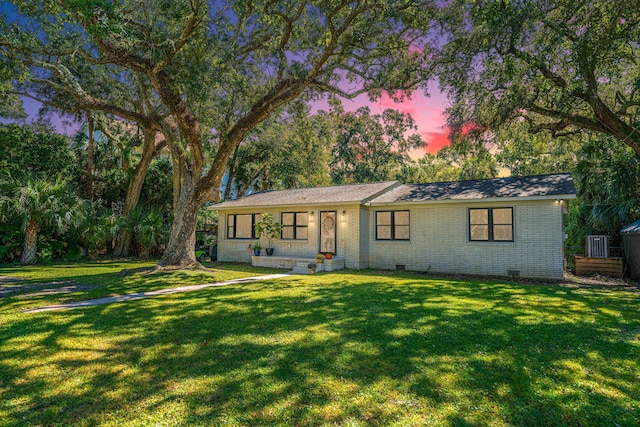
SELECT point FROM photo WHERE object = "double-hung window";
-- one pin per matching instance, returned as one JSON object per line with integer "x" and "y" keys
{"x": 242, "y": 226}
{"x": 491, "y": 225}
{"x": 392, "y": 225}
{"x": 295, "y": 226}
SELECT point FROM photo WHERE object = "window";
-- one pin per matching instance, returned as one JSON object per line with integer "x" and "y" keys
{"x": 241, "y": 226}
{"x": 294, "y": 226}
{"x": 392, "y": 225}
{"x": 491, "y": 225}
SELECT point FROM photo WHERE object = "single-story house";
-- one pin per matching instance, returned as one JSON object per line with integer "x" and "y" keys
{"x": 505, "y": 226}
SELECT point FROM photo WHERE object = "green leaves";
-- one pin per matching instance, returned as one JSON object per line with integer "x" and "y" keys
{"x": 370, "y": 148}
{"x": 38, "y": 203}
{"x": 28, "y": 151}
{"x": 566, "y": 66}
{"x": 268, "y": 227}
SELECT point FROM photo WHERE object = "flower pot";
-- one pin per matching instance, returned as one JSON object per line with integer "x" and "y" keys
{"x": 269, "y": 251}
{"x": 256, "y": 252}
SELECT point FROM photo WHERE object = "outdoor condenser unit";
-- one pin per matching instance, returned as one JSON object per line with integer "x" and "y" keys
{"x": 597, "y": 246}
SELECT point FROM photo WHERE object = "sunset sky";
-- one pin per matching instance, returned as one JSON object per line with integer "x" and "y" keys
{"x": 427, "y": 112}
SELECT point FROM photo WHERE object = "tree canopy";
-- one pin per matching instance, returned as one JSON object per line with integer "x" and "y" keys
{"x": 291, "y": 149}
{"x": 209, "y": 71}
{"x": 370, "y": 147}
{"x": 565, "y": 66}
{"x": 29, "y": 151}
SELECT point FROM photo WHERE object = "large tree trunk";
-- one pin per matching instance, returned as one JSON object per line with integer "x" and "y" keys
{"x": 180, "y": 251}
{"x": 123, "y": 244}
{"x": 196, "y": 187}
{"x": 125, "y": 237}
{"x": 30, "y": 242}
{"x": 91, "y": 164}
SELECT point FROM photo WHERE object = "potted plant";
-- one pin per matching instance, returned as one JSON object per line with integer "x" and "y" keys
{"x": 256, "y": 249}
{"x": 319, "y": 258}
{"x": 268, "y": 228}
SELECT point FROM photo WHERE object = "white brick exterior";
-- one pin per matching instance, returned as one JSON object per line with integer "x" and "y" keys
{"x": 348, "y": 244}
{"x": 438, "y": 240}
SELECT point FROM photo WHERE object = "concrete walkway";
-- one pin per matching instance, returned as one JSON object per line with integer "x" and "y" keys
{"x": 150, "y": 294}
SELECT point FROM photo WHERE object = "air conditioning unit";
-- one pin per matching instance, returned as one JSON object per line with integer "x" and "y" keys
{"x": 597, "y": 246}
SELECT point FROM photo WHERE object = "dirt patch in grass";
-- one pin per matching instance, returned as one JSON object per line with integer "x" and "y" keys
{"x": 131, "y": 271}
{"x": 598, "y": 280}
{"x": 570, "y": 280}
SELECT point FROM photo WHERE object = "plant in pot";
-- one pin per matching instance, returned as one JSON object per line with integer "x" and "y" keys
{"x": 256, "y": 249}
{"x": 319, "y": 258}
{"x": 269, "y": 228}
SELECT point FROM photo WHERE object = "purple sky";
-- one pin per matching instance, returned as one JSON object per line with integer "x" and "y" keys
{"x": 427, "y": 112}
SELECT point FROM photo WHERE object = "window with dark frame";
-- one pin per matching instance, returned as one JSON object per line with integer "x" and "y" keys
{"x": 392, "y": 225}
{"x": 294, "y": 225}
{"x": 242, "y": 226}
{"x": 491, "y": 225}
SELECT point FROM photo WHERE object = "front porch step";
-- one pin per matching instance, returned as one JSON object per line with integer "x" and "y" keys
{"x": 290, "y": 262}
{"x": 302, "y": 268}
{"x": 299, "y": 270}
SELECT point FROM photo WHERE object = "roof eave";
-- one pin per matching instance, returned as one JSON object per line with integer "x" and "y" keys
{"x": 290, "y": 205}
{"x": 481, "y": 200}
{"x": 391, "y": 186}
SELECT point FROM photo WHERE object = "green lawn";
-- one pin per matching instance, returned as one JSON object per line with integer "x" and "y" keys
{"x": 337, "y": 349}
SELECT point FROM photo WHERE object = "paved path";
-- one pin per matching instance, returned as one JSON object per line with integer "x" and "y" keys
{"x": 149, "y": 294}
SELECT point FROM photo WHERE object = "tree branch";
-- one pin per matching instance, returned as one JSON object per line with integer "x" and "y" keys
{"x": 557, "y": 79}
{"x": 192, "y": 23}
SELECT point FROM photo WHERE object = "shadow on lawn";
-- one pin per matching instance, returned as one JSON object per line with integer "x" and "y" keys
{"x": 101, "y": 279}
{"x": 369, "y": 350}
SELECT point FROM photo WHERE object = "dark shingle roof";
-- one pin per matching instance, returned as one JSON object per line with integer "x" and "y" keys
{"x": 526, "y": 186}
{"x": 356, "y": 193}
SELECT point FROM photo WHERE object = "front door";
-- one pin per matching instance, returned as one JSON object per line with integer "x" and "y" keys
{"x": 328, "y": 231}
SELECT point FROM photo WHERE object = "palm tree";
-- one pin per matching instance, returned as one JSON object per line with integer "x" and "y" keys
{"x": 40, "y": 203}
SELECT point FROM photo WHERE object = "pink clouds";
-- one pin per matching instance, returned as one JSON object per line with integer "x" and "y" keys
{"x": 427, "y": 112}
{"x": 436, "y": 140}
{"x": 408, "y": 106}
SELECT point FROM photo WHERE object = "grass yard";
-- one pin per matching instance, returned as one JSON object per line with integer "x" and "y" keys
{"x": 337, "y": 349}
{"x": 105, "y": 279}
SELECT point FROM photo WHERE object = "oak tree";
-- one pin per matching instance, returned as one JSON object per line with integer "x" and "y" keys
{"x": 565, "y": 66}
{"x": 214, "y": 70}
{"x": 369, "y": 147}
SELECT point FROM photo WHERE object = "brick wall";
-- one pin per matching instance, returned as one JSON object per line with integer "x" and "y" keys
{"x": 347, "y": 236}
{"x": 439, "y": 242}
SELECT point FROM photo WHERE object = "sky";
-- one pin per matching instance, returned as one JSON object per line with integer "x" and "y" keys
{"x": 427, "y": 112}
